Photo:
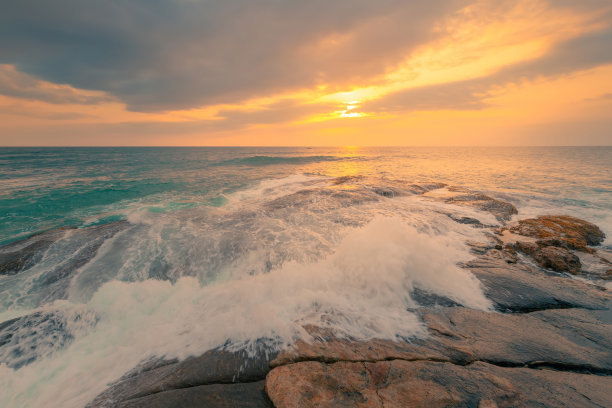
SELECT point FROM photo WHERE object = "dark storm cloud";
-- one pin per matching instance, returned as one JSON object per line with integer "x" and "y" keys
{"x": 169, "y": 54}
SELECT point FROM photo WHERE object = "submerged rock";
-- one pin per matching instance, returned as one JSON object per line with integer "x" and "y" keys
{"x": 502, "y": 210}
{"x": 26, "y": 339}
{"x": 21, "y": 255}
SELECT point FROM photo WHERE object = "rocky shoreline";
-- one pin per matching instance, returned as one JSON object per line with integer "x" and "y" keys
{"x": 548, "y": 341}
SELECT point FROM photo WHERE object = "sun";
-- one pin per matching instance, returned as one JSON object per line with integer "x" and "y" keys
{"x": 348, "y": 111}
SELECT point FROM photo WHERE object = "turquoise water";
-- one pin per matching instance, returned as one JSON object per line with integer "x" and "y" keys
{"x": 48, "y": 187}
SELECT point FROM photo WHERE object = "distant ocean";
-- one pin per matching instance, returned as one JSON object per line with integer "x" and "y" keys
{"x": 173, "y": 251}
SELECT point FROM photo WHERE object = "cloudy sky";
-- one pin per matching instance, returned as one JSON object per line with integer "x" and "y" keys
{"x": 316, "y": 72}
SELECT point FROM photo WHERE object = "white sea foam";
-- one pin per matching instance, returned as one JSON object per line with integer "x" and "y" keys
{"x": 362, "y": 290}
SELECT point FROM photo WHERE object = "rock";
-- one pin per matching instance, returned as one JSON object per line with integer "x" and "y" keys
{"x": 213, "y": 367}
{"x": 428, "y": 299}
{"x": 25, "y": 339}
{"x": 557, "y": 259}
{"x": 552, "y": 240}
{"x": 571, "y": 340}
{"x": 472, "y": 358}
{"x": 575, "y": 340}
{"x": 398, "y": 383}
{"x": 22, "y": 255}
{"x": 502, "y": 210}
{"x": 521, "y": 288}
{"x": 467, "y": 220}
{"x": 243, "y": 395}
{"x": 526, "y": 247}
{"x": 388, "y": 192}
{"x": 553, "y": 229}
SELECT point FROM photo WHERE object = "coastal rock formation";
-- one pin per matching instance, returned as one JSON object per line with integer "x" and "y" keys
{"x": 243, "y": 395}
{"x": 551, "y": 241}
{"x": 519, "y": 288}
{"x": 560, "y": 230}
{"x": 502, "y": 210}
{"x": 471, "y": 358}
{"x": 216, "y": 378}
{"x": 398, "y": 383}
{"x": 25, "y": 339}
{"x": 547, "y": 343}
{"x": 20, "y": 256}
{"x": 572, "y": 340}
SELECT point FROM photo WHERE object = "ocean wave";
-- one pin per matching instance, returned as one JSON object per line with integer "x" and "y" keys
{"x": 271, "y": 160}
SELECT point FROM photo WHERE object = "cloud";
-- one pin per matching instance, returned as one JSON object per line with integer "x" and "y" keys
{"x": 157, "y": 55}
{"x": 463, "y": 95}
{"x": 578, "y": 54}
{"x": 19, "y": 85}
{"x": 174, "y": 54}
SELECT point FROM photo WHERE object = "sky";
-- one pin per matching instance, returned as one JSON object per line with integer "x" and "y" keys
{"x": 316, "y": 72}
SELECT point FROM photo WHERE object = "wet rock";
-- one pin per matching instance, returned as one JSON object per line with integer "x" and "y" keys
{"x": 558, "y": 259}
{"x": 323, "y": 198}
{"x": 550, "y": 241}
{"x": 575, "y": 340}
{"x": 25, "y": 339}
{"x": 400, "y": 383}
{"x": 156, "y": 377}
{"x": 471, "y": 358}
{"x": 86, "y": 243}
{"x": 388, "y": 192}
{"x": 526, "y": 247}
{"x": 429, "y": 299}
{"x": 502, "y": 210}
{"x": 558, "y": 230}
{"x": 521, "y": 288}
{"x": 327, "y": 348}
{"x": 22, "y": 255}
{"x": 346, "y": 179}
{"x": 244, "y": 395}
{"x": 570, "y": 340}
{"x": 467, "y": 220}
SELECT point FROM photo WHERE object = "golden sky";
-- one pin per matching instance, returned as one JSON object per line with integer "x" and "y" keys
{"x": 237, "y": 72}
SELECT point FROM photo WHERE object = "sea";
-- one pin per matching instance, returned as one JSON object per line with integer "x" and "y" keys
{"x": 171, "y": 251}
